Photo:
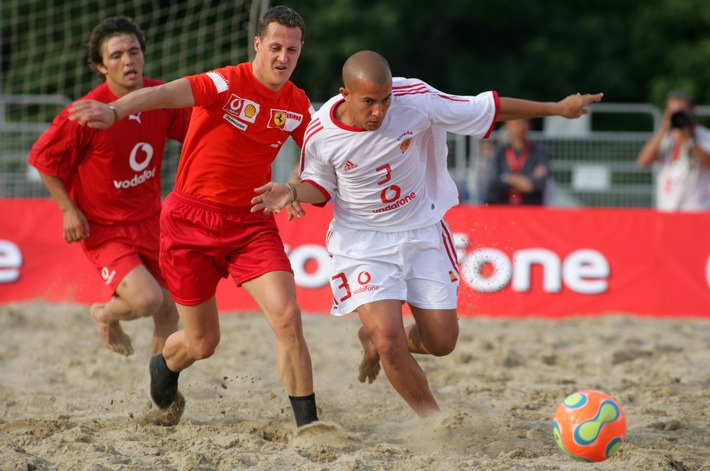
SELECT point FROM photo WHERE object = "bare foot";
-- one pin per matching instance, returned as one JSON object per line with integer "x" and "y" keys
{"x": 370, "y": 364}
{"x": 111, "y": 334}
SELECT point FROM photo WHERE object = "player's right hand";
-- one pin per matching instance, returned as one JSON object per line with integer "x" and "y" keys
{"x": 295, "y": 210}
{"x": 271, "y": 197}
{"x": 91, "y": 113}
{"x": 76, "y": 226}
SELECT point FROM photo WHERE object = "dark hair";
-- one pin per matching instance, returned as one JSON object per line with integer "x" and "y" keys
{"x": 282, "y": 15}
{"x": 109, "y": 28}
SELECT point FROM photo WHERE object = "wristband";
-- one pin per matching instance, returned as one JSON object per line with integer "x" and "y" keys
{"x": 294, "y": 193}
{"x": 115, "y": 111}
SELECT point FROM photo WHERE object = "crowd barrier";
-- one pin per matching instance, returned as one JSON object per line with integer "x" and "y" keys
{"x": 513, "y": 261}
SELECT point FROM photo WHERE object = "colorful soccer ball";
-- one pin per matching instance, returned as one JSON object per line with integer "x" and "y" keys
{"x": 589, "y": 425}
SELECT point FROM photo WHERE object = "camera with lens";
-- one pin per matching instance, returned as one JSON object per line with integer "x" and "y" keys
{"x": 682, "y": 119}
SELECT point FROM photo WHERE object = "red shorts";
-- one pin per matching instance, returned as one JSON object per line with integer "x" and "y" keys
{"x": 202, "y": 242}
{"x": 115, "y": 250}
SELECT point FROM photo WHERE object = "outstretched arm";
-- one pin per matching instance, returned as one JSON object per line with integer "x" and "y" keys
{"x": 572, "y": 106}
{"x": 94, "y": 114}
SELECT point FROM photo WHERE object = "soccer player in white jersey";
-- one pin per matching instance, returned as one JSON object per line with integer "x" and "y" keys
{"x": 378, "y": 150}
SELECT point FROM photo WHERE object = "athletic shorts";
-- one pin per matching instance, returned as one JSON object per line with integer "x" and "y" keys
{"x": 417, "y": 266}
{"x": 202, "y": 242}
{"x": 115, "y": 250}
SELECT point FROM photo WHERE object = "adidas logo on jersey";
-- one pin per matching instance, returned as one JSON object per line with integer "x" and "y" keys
{"x": 349, "y": 166}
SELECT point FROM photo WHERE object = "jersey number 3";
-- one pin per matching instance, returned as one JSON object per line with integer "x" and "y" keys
{"x": 389, "y": 193}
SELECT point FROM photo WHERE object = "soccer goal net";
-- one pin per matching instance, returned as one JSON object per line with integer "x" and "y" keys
{"x": 44, "y": 63}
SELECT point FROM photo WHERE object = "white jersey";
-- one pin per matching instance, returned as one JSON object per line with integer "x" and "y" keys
{"x": 683, "y": 185}
{"x": 394, "y": 178}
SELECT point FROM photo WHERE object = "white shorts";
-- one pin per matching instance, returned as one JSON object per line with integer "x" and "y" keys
{"x": 417, "y": 266}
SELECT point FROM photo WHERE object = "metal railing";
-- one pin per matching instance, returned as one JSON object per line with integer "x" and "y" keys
{"x": 590, "y": 168}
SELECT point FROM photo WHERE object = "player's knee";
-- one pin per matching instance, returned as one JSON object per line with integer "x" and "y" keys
{"x": 287, "y": 323}
{"x": 443, "y": 344}
{"x": 442, "y": 349}
{"x": 204, "y": 347}
{"x": 390, "y": 345}
{"x": 148, "y": 304}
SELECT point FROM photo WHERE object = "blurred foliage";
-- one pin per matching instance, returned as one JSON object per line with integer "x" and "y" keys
{"x": 632, "y": 50}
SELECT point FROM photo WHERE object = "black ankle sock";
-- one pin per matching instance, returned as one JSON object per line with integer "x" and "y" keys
{"x": 163, "y": 382}
{"x": 304, "y": 408}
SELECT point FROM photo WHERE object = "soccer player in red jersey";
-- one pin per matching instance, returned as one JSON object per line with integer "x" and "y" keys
{"x": 107, "y": 186}
{"x": 242, "y": 115}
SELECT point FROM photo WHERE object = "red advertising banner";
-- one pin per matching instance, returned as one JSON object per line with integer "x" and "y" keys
{"x": 513, "y": 261}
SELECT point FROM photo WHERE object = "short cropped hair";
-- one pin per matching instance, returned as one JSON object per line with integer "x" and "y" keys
{"x": 109, "y": 28}
{"x": 282, "y": 15}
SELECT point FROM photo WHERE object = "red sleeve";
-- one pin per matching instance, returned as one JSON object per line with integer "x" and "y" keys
{"x": 496, "y": 99}
{"x": 178, "y": 127}
{"x": 58, "y": 150}
{"x": 207, "y": 87}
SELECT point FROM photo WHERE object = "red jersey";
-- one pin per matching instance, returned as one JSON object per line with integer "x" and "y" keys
{"x": 237, "y": 128}
{"x": 112, "y": 175}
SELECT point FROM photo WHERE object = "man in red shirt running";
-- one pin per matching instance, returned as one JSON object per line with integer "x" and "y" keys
{"x": 242, "y": 116}
{"x": 107, "y": 186}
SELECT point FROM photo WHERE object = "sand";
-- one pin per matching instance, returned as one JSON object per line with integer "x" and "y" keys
{"x": 67, "y": 403}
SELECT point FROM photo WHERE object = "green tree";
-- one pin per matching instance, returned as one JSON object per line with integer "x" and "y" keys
{"x": 671, "y": 44}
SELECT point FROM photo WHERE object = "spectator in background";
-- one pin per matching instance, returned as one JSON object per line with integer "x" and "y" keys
{"x": 107, "y": 186}
{"x": 520, "y": 169}
{"x": 682, "y": 148}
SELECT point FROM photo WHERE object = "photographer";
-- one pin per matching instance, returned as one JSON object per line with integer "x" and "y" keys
{"x": 682, "y": 148}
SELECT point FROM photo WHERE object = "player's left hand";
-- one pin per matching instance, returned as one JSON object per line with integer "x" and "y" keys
{"x": 575, "y": 105}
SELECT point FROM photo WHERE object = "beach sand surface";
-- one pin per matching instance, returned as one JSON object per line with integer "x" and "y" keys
{"x": 67, "y": 403}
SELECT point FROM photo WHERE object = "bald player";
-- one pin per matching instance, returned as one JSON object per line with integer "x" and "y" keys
{"x": 378, "y": 149}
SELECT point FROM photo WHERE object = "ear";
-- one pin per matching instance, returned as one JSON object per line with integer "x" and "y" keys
{"x": 101, "y": 68}
{"x": 346, "y": 94}
{"x": 256, "y": 43}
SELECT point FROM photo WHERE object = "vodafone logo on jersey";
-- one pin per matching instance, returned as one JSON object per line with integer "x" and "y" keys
{"x": 141, "y": 155}
{"x": 139, "y": 160}
{"x": 242, "y": 109}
